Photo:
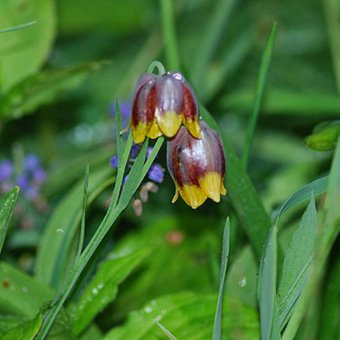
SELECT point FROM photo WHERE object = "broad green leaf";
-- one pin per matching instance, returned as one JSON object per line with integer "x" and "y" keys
{"x": 103, "y": 288}
{"x": 24, "y": 330}
{"x": 267, "y": 285}
{"x": 21, "y": 294}
{"x": 22, "y": 52}
{"x": 217, "y": 329}
{"x": 55, "y": 252}
{"x": 188, "y": 316}
{"x": 7, "y": 205}
{"x": 242, "y": 276}
{"x": 297, "y": 263}
{"x": 41, "y": 89}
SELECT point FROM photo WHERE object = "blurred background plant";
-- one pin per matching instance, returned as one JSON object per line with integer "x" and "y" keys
{"x": 59, "y": 79}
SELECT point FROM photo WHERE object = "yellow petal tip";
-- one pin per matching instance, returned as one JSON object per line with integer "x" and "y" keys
{"x": 169, "y": 122}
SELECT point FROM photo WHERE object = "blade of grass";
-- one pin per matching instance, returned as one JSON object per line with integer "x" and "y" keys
{"x": 210, "y": 41}
{"x": 10, "y": 29}
{"x": 82, "y": 224}
{"x": 217, "y": 329}
{"x": 316, "y": 187}
{"x": 267, "y": 284}
{"x": 243, "y": 195}
{"x": 332, "y": 14}
{"x": 165, "y": 331}
{"x": 267, "y": 54}
{"x": 169, "y": 35}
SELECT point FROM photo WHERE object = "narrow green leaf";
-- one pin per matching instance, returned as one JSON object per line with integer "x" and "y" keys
{"x": 317, "y": 187}
{"x": 169, "y": 35}
{"x": 216, "y": 27}
{"x": 103, "y": 288}
{"x": 25, "y": 330}
{"x": 187, "y": 316}
{"x": 267, "y": 284}
{"x": 20, "y": 294}
{"x": 55, "y": 256}
{"x": 217, "y": 329}
{"x": 243, "y": 195}
{"x": 7, "y": 205}
{"x": 297, "y": 262}
{"x": 267, "y": 54}
{"x": 119, "y": 137}
{"x": 333, "y": 192}
{"x": 286, "y": 103}
{"x": 83, "y": 216}
{"x": 330, "y": 316}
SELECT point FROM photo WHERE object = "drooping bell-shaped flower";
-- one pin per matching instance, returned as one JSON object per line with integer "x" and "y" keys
{"x": 161, "y": 104}
{"x": 197, "y": 166}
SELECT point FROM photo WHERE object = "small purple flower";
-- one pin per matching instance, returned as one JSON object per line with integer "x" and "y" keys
{"x": 39, "y": 175}
{"x": 125, "y": 111}
{"x": 32, "y": 162}
{"x": 6, "y": 169}
{"x": 23, "y": 183}
{"x": 114, "y": 162}
{"x": 134, "y": 151}
{"x": 156, "y": 173}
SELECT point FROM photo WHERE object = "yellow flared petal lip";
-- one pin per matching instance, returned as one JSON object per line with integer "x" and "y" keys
{"x": 193, "y": 127}
{"x": 212, "y": 185}
{"x": 174, "y": 199}
{"x": 154, "y": 131}
{"x": 192, "y": 195}
{"x": 169, "y": 122}
{"x": 139, "y": 132}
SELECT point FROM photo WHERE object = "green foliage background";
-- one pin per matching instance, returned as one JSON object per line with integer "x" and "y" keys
{"x": 273, "y": 94}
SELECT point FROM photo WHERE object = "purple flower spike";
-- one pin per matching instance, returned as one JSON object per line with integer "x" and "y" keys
{"x": 156, "y": 173}
{"x": 23, "y": 183}
{"x": 39, "y": 175}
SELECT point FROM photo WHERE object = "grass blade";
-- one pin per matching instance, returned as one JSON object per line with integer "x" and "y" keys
{"x": 10, "y": 29}
{"x": 243, "y": 195}
{"x": 317, "y": 187}
{"x": 82, "y": 225}
{"x": 217, "y": 330}
{"x": 210, "y": 41}
{"x": 258, "y": 95}
{"x": 169, "y": 35}
{"x": 297, "y": 262}
{"x": 267, "y": 284}
{"x": 7, "y": 205}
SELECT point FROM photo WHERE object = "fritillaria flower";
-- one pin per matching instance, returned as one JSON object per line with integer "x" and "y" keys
{"x": 197, "y": 166}
{"x": 161, "y": 104}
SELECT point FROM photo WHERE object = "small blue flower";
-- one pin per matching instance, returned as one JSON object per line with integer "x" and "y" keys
{"x": 114, "y": 162}
{"x": 31, "y": 163}
{"x": 156, "y": 173}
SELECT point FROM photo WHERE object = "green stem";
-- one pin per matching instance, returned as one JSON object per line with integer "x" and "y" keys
{"x": 169, "y": 32}
{"x": 258, "y": 95}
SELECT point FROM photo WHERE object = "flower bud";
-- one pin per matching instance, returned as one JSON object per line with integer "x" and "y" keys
{"x": 197, "y": 166}
{"x": 161, "y": 104}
